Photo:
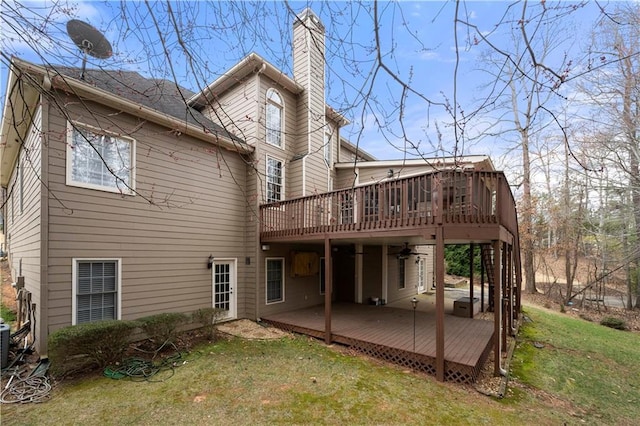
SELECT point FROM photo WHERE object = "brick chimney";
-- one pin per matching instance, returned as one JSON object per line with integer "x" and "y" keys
{"x": 308, "y": 71}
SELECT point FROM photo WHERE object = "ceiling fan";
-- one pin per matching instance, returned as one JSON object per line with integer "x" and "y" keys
{"x": 405, "y": 252}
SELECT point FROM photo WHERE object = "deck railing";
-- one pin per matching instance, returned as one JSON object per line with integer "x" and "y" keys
{"x": 444, "y": 197}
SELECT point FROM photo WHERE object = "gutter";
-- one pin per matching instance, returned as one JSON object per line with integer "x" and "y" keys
{"x": 81, "y": 89}
{"x": 249, "y": 64}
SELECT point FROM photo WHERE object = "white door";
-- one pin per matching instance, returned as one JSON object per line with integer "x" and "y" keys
{"x": 421, "y": 275}
{"x": 224, "y": 286}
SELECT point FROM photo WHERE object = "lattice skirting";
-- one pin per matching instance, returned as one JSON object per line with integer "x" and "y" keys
{"x": 454, "y": 372}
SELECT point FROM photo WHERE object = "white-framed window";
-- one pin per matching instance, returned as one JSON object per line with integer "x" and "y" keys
{"x": 96, "y": 290}
{"x": 274, "y": 271}
{"x": 98, "y": 160}
{"x": 274, "y": 115}
{"x": 401, "y": 273}
{"x": 275, "y": 180}
{"x": 327, "y": 150}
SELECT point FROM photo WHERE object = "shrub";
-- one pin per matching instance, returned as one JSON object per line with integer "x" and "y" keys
{"x": 88, "y": 346}
{"x": 457, "y": 260}
{"x": 612, "y": 322}
{"x": 208, "y": 317}
{"x": 162, "y": 328}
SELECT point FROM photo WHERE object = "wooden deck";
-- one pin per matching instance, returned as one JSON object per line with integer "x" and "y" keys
{"x": 472, "y": 205}
{"x": 387, "y": 333}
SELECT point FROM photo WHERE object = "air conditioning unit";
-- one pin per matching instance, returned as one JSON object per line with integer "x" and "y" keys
{"x": 5, "y": 340}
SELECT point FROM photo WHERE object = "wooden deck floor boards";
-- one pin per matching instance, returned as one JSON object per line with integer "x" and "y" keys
{"x": 466, "y": 340}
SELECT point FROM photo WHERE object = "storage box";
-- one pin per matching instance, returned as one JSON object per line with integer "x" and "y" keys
{"x": 462, "y": 307}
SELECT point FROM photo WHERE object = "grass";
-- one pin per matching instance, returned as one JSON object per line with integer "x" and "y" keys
{"x": 594, "y": 368}
{"x": 7, "y": 314}
{"x": 301, "y": 381}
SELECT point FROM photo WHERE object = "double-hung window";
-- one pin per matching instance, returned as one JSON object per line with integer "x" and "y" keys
{"x": 99, "y": 161}
{"x": 274, "y": 109}
{"x": 275, "y": 181}
{"x": 96, "y": 290}
{"x": 275, "y": 280}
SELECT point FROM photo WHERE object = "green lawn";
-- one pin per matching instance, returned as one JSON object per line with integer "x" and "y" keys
{"x": 302, "y": 381}
{"x": 594, "y": 368}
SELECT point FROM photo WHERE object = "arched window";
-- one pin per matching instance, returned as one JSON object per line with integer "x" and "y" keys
{"x": 274, "y": 118}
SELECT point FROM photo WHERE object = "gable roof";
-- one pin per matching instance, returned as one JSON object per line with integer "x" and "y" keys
{"x": 252, "y": 63}
{"x": 159, "y": 101}
{"x": 164, "y": 96}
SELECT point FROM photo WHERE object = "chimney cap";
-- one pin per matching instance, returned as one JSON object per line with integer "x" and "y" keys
{"x": 308, "y": 16}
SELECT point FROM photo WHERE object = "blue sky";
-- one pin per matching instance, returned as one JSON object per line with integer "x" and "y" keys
{"x": 417, "y": 44}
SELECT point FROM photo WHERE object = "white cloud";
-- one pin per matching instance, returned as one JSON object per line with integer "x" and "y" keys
{"x": 429, "y": 55}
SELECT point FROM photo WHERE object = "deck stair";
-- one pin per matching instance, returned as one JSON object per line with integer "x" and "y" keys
{"x": 487, "y": 261}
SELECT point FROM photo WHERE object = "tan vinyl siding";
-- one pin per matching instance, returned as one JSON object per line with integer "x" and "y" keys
{"x": 235, "y": 110}
{"x": 292, "y": 173}
{"x": 346, "y": 178}
{"x": 248, "y": 274}
{"x": 370, "y": 173}
{"x": 23, "y": 223}
{"x": 299, "y": 292}
{"x": 294, "y": 178}
{"x": 376, "y": 174}
{"x": 308, "y": 70}
{"x": 190, "y": 203}
{"x": 346, "y": 155}
{"x": 316, "y": 168}
{"x": 410, "y": 280}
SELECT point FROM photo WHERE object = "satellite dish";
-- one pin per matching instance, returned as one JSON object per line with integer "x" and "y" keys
{"x": 89, "y": 40}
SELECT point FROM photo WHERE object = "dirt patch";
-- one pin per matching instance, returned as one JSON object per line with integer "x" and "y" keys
{"x": 248, "y": 329}
{"x": 8, "y": 292}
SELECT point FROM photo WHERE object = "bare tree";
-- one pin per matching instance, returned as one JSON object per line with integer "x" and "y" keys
{"x": 613, "y": 91}
{"x": 526, "y": 76}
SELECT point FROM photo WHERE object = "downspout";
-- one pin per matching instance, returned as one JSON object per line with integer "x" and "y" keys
{"x": 497, "y": 308}
{"x": 43, "y": 319}
{"x": 257, "y": 245}
{"x": 304, "y": 159}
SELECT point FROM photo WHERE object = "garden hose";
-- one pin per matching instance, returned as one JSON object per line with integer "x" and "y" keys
{"x": 141, "y": 369}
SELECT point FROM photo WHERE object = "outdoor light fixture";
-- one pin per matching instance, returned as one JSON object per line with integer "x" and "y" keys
{"x": 265, "y": 247}
{"x": 414, "y": 302}
{"x": 210, "y": 262}
{"x": 390, "y": 173}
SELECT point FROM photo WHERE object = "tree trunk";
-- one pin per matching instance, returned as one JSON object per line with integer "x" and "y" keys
{"x": 527, "y": 218}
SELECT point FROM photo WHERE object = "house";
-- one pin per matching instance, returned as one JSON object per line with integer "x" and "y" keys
{"x": 127, "y": 196}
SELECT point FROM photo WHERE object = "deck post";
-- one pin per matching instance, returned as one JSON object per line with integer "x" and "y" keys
{"x": 359, "y": 272}
{"x": 497, "y": 309}
{"x": 471, "y": 271}
{"x": 481, "y": 281}
{"x": 440, "y": 374}
{"x": 328, "y": 289}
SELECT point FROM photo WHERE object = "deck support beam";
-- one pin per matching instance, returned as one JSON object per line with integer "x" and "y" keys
{"x": 471, "y": 271}
{"x": 440, "y": 364}
{"x": 328, "y": 290}
{"x": 359, "y": 271}
{"x": 497, "y": 309}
